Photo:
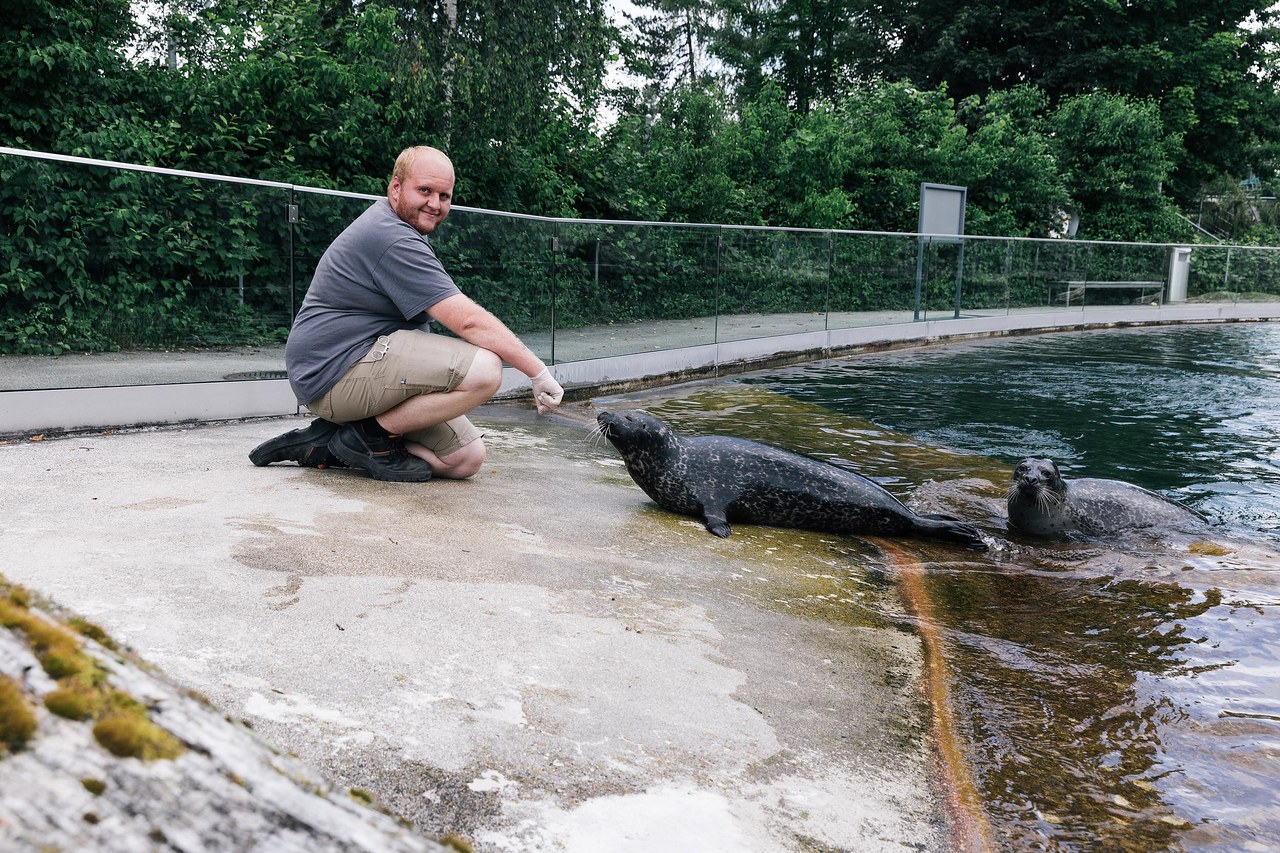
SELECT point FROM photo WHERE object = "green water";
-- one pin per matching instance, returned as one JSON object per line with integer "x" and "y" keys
{"x": 1120, "y": 695}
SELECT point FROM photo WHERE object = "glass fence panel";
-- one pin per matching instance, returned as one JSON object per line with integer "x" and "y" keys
{"x": 772, "y": 282}
{"x": 1267, "y": 281}
{"x": 101, "y": 261}
{"x": 1029, "y": 291}
{"x": 1208, "y": 274}
{"x": 1123, "y": 274}
{"x": 940, "y": 274}
{"x": 506, "y": 264}
{"x": 113, "y": 275}
{"x": 321, "y": 218}
{"x": 503, "y": 263}
{"x": 1058, "y": 266}
{"x": 988, "y": 269}
{"x": 872, "y": 281}
{"x": 1252, "y": 275}
{"x": 631, "y": 288}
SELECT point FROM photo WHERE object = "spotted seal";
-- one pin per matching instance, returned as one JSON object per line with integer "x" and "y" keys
{"x": 1044, "y": 503}
{"x": 721, "y": 479}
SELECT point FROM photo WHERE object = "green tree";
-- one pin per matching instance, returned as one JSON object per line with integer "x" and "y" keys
{"x": 1114, "y": 155}
{"x": 1009, "y": 166}
{"x": 326, "y": 92}
{"x": 511, "y": 91}
{"x": 62, "y": 69}
{"x": 681, "y": 161}
{"x": 899, "y": 136}
{"x": 816, "y": 50}
{"x": 1240, "y": 214}
{"x": 1213, "y": 77}
{"x": 668, "y": 43}
{"x": 273, "y": 90}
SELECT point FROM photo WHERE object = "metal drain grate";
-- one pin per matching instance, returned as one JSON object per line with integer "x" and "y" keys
{"x": 257, "y": 374}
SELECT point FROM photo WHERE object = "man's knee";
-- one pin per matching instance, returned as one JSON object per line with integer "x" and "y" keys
{"x": 465, "y": 461}
{"x": 485, "y": 373}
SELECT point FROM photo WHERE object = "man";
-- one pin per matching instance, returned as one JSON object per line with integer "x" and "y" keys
{"x": 391, "y": 397}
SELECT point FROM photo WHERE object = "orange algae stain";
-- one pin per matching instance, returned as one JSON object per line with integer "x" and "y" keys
{"x": 971, "y": 831}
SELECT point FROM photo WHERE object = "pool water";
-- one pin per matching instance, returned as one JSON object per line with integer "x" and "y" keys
{"x": 1117, "y": 695}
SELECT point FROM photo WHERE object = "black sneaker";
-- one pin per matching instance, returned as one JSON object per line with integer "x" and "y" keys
{"x": 307, "y": 446}
{"x": 383, "y": 458}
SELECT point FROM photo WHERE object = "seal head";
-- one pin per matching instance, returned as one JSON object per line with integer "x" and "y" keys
{"x": 1037, "y": 498}
{"x": 720, "y": 479}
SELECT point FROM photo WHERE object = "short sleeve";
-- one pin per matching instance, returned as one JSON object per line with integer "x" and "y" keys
{"x": 412, "y": 277}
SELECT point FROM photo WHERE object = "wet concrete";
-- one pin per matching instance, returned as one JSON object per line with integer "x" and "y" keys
{"x": 536, "y": 659}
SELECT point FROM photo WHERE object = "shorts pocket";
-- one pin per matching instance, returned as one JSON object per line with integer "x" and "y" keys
{"x": 423, "y": 363}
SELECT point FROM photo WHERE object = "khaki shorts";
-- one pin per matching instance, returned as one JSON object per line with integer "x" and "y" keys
{"x": 401, "y": 365}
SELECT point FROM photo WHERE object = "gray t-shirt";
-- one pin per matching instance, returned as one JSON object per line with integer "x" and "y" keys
{"x": 377, "y": 277}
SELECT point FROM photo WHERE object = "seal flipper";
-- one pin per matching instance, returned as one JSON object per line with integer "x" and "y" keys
{"x": 716, "y": 522}
{"x": 950, "y": 530}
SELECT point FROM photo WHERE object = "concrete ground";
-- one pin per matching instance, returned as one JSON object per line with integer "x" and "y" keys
{"x": 538, "y": 659}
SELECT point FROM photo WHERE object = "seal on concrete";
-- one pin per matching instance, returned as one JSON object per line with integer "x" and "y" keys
{"x": 722, "y": 479}
{"x": 1044, "y": 503}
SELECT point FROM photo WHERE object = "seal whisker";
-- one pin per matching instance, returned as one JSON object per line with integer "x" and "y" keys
{"x": 1047, "y": 500}
{"x": 595, "y": 433}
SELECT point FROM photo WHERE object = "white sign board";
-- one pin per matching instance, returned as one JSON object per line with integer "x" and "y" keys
{"x": 941, "y": 221}
{"x": 942, "y": 210}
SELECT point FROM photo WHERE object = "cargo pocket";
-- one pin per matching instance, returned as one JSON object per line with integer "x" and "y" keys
{"x": 422, "y": 363}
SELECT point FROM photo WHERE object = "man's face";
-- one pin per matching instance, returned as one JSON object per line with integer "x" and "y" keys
{"x": 424, "y": 196}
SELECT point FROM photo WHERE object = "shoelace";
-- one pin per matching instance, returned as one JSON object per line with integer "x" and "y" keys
{"x": 392, "y": 447}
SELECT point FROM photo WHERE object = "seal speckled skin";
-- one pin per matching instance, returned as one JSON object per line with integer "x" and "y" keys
{"x": 721, "y": 479}
{"x": 1044, "y": 503}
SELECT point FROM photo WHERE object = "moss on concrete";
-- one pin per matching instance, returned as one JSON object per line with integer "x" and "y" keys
{"x": 74, "y": 701}
{"x": 17, "y": 722}
{"x": 121, "y": 723}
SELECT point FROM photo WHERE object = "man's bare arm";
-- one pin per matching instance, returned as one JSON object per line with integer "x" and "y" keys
{"x": 474, "y": 324}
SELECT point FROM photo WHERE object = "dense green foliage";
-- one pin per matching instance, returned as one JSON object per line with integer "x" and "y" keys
{"x": 1212, "y": 79}
{"x": 822, "y": 114}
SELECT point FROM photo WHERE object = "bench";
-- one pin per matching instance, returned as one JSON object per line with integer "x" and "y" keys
{"x": 1065, "y": 291}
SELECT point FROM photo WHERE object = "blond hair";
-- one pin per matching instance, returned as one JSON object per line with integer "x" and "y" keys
{"x": 410, "y": 155}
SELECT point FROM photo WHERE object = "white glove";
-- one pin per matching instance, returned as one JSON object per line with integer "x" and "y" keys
{"x": 547, "y": 392}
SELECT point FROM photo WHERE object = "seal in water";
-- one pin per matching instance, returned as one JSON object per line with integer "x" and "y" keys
{"x": 721, "y": 479}
{"x": 1044, "y": 503}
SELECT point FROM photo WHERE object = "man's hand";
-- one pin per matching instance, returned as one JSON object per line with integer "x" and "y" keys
{"x": 547, "y": 392}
